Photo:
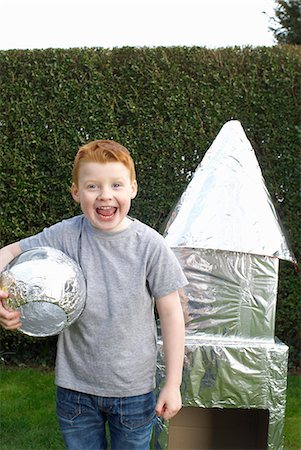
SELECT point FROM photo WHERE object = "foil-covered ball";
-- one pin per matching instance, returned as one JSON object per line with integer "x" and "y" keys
{"x": 48, "y": 287}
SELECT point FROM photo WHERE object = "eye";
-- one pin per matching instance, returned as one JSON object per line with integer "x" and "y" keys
{"x": 92, "y": 186}
{"x": 117, "y": 185}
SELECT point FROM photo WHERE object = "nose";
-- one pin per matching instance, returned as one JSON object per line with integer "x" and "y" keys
{"x": 105, "y": 193}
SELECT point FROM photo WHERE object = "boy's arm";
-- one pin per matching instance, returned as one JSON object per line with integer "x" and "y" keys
{"x": 173, "y": 331}
{"x": 10, "y": 320}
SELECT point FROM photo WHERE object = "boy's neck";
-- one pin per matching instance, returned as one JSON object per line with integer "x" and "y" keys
{"x": 126, "y": 223}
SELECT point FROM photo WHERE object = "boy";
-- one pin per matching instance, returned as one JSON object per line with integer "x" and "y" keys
{"x": 105, "y": 364}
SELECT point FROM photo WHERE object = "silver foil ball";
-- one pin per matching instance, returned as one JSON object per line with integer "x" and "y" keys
{"x": 48, "y": 287}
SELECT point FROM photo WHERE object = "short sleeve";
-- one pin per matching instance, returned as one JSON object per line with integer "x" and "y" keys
{"x": 64, "y": 236}
{"x": 164, "y": 272}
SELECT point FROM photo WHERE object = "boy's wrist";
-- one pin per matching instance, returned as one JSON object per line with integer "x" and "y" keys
{"x": 173, "y": 384}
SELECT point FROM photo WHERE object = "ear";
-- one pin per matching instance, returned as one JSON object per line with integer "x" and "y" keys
{"x": 134, "y": 188}
{"x": 75, "y": 193}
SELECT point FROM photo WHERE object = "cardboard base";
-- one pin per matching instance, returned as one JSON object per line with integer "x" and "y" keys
{"x": 212, "y": 428}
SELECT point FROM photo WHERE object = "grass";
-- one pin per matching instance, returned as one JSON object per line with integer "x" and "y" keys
{"x": 27, "y": 411}
{"x": 28, "y": 419}
{"x": 292, "y": 427}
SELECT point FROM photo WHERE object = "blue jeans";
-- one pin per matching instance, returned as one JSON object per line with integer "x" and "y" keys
{"x": 82, "y": 419}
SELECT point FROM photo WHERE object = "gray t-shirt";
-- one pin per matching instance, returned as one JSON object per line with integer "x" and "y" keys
{"x": 111, "y": 349}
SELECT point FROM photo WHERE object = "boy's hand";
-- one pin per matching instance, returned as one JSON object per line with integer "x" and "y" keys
{"x": 169, "y": 402}
{"x": 9, "y": 319}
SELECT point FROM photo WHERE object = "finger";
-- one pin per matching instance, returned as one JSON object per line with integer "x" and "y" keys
{"x": 3, "y": 294}
{"x": 168, "y": 413}
{"x": 10, "y": 325}
{"x": 7, "y": 306}
{"x": 6, "y": 311}
{"x": 10, "y": 320}
{"x": 160, "y": 408}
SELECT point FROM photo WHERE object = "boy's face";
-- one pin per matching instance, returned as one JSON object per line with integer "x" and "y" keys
{"x": 105, "y": 192}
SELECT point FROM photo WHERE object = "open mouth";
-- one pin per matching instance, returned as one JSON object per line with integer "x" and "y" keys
{"x": 106, "y": 211}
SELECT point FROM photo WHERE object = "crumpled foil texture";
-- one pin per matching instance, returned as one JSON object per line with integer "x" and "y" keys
{"x": 229, "y": 294}
{"x": 228, "y": 238}
{"x": 230, "y": 374}
{"x": 47, "y": 287}
{"x": 226, "y": 205}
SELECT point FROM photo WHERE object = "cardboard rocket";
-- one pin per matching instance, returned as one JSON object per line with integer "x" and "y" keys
{"x": 227, "y": 236}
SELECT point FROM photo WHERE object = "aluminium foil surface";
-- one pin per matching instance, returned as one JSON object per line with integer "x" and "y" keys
{"x": 227, "y": 206}
{"x": 47, "y": 287}
{"x": 229, "y": 294}
{"x": 231, "y": 374}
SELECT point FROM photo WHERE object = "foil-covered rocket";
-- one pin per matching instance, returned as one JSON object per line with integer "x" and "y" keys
{"x": 228, "y": 238}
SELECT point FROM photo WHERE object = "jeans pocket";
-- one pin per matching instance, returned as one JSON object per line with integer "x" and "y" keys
{"x": 67, "y": 403}
{"x": 138, "y": 411}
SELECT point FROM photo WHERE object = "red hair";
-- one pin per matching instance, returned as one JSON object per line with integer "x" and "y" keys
{"x": 103, "y": 151}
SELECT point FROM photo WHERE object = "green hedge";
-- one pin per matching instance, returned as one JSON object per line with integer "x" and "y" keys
{"x": 166, "y": 105}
